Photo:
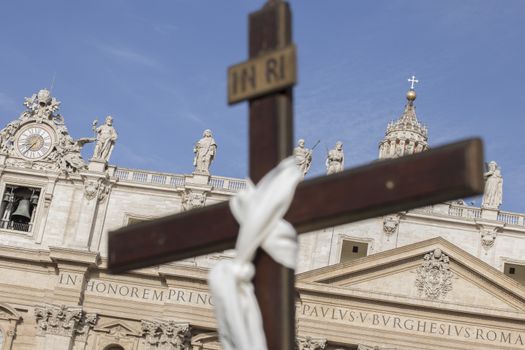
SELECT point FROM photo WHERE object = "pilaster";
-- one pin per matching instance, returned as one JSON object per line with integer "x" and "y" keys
{"x": 73, "y": 266}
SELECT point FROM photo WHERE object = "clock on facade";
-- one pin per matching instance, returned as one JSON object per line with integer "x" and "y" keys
{"x": 35, "y": 141}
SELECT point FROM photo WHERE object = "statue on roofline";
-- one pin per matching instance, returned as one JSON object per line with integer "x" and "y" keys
{"x": 303, "y": 156}
{"x": 493, "y": 193}
{"x": 335, "y": 159}
{"x": 204, "y": 151}
{"x": 106, "y": 137}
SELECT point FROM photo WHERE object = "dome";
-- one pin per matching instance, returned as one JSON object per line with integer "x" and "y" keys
{"x": 406, "y": 135}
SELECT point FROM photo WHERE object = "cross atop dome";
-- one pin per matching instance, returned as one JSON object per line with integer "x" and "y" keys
{"x": 406, "y": 135}
{"x": 413, "y": 81}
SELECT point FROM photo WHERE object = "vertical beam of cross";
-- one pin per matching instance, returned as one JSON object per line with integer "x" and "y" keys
{"x": 271, "y": 140}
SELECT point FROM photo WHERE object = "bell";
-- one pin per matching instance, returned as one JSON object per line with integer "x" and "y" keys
{"x": 22, "y": 213}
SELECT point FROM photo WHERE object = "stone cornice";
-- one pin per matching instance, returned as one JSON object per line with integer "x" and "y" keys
{"x": 77, "y": 256}
{"x": 18, "y": 253}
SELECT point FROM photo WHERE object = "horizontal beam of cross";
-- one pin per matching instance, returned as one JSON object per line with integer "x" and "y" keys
{"x": 380, "y": 188}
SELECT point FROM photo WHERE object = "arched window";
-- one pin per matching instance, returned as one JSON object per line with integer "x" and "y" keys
{"x": 111, "y": 347}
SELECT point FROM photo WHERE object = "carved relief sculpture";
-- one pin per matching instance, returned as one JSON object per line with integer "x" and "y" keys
{"x": 204, "y": 151}
{"x": 488, "y": 236}
{"x": 59, "y": 320}
{"x": 42, "y": 106}
{"x": 309, "y": 343}
{"x": 191, "y": 200}
{"x": 106, "y": 137}
{"x": 390, "y": 225}
{"x": 335, "y": 159}
{"x": 96, "y": 188}
{"x": 434, "y": 278}
{"x": 166, "y": 335}
{"x": 84, "y": 325}
{"x": 303, "y": 157}
{"x": 38, "y": 139}
{"x": 7, "y": 136}
{"x": 493, "y": 194}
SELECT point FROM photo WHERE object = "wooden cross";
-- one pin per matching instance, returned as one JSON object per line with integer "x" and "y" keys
{"x": 377, "y": 189}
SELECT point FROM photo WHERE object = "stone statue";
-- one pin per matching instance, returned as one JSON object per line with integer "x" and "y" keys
{"x": 42, "y": 106}
{"x": 493, "y": 194}
{"x": 204, "y": 151}
{"x": 106, "y": 137}
{"x": 303, "y": 157}
{"x": 67, "y": 156}
{"x": 7, "y": 136}
{"x": 335, "y": 159}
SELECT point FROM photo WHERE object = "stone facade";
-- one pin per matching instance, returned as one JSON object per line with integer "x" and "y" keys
{"x": 432, "y": 277}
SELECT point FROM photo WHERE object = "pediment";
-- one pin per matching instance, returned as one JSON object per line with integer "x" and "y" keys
{"x": 206, "y": 341}
{"x": 8, "y": 313}
{"x": 433, "y": 273}
{"x": 118, "y": 328}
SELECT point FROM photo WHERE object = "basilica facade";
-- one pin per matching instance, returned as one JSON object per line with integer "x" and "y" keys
{"x": 447, "y": 276}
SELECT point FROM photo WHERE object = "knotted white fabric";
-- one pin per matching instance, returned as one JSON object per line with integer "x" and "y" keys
{"x": 259, "y": 211}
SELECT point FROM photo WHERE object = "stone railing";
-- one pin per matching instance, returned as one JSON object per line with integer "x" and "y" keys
{"x": 227, "y": 183}
{"x": 468, "y": 212}
{"x": 175, "y": 180}
{"x": 140, "y": 176}
{"x": 511, "y": 218}
{"x": 464, "y": 211}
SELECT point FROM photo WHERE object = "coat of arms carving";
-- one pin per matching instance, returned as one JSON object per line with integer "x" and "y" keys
{"x": 191, "y": 200}
{"x": 434, "y": 278}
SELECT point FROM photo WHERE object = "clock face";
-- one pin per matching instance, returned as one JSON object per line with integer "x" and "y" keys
{"x": 34, "y": 142}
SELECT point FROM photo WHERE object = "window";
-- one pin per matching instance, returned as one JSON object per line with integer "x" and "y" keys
{"x": 516, "y": 272}
{"x": 113, "y": 347}
{"x": 18, "y": 207}
{"x": 351, "y": 250}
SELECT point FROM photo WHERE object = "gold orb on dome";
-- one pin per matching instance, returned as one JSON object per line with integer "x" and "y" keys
{"x": 411, "y": 95}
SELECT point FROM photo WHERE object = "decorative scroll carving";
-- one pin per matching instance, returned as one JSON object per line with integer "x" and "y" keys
{"x": 434, "y": 277}
{"x": 63, "y": 320}
{"x": 167, "y": 335}
{"x": 191, "y": 200}
{"x": 60, "y": 320}
{"x": 309, "y": 343}
{"x": 41, "y": 112}
{"x": 42, "y": 106}
{"x": 85, "y": 324}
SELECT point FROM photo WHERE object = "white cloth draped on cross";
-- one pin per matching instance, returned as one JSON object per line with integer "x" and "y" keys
{"x": 259, "y": 211}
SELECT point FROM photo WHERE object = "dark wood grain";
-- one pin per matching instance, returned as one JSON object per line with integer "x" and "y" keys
{"x": 434, "y": 176}
{"x": 271, "y": 140}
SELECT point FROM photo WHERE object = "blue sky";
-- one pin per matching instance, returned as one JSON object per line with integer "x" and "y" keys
{"x": 159, "y": 68}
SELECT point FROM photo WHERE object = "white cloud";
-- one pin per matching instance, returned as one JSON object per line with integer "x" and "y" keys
{"x": 126, "y": 54}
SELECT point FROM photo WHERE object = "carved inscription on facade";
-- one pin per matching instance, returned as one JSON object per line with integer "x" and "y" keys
{"x": 411, "y": 325}
{"x": 134, "y": 292}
